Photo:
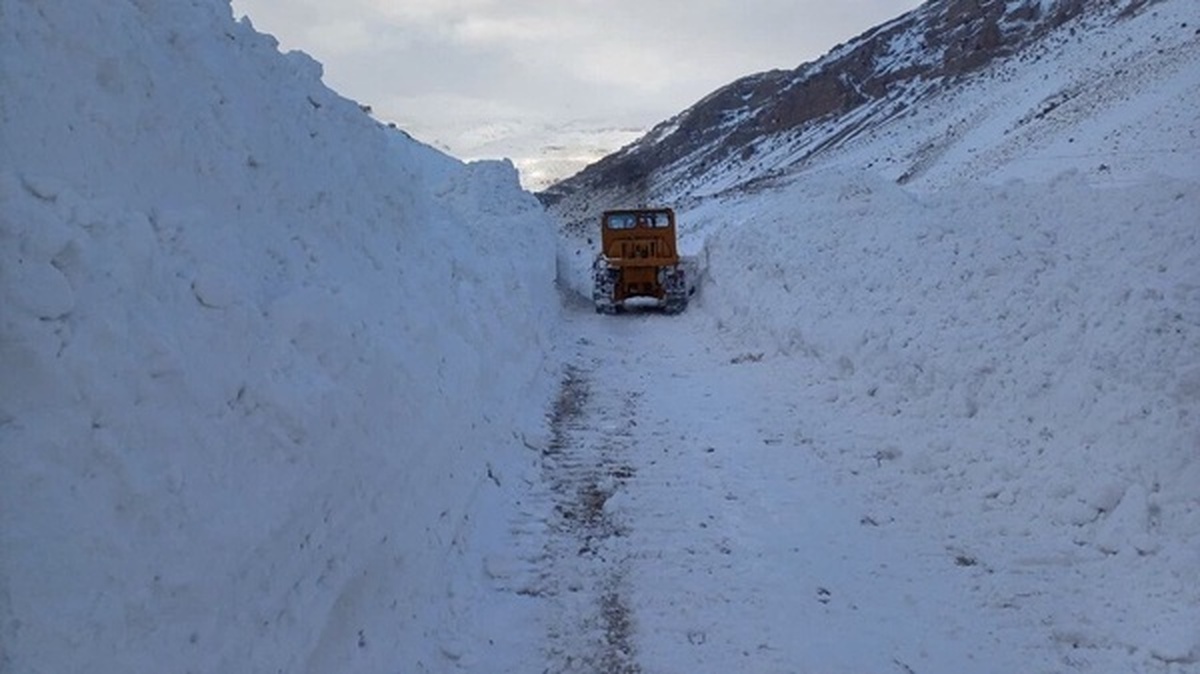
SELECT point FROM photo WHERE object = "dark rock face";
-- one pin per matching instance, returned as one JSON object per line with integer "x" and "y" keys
{"x": 862, "y": 82}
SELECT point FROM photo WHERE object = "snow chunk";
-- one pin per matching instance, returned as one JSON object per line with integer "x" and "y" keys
{"x": 38, "y": 288}
{"x": 214, "y": 288}
{"x": 1127, "y": 527}
{"x": 1176, "y": 639}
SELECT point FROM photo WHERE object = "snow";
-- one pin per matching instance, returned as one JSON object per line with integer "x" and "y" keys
{"x": 1113, "y": 99}
{"x": 906, "y": 50}
{"x": 741, "y": 549}
{"x": 1019, "y": 367}
{"x": 253, "y": 372}
{"x": 282, "y": 389}
{"x": 893, "y": 408}
{"x": 991, "y": 360}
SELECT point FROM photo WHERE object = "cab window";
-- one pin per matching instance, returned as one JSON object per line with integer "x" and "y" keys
{"x": 622, "y": 221}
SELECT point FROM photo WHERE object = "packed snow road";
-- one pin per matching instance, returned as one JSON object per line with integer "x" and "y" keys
{"x": 693, "y": 526}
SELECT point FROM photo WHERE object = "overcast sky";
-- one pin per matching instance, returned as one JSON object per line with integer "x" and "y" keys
{"x": 454, "y": 71}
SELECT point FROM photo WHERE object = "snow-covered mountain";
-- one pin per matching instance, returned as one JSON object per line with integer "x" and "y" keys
{"x": 956, "y": 77}
{"x": 541, "y": 162}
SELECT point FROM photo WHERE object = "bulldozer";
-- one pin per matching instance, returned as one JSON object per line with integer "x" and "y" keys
{"x": 638, "y": 259}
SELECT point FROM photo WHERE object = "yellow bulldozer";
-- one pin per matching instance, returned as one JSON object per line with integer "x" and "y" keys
{"x": 638, "y": 259}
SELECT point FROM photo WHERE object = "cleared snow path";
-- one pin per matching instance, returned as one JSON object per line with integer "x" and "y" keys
{"x": 694, "y": 527}
{"x": 584, "y": 467}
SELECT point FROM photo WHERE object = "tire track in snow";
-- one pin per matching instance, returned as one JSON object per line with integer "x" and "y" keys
{"x": 585, "y": 570}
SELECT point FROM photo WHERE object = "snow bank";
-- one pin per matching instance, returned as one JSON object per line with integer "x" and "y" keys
{"x": 1015, "y": 367}
{"x": 261, "y": 359}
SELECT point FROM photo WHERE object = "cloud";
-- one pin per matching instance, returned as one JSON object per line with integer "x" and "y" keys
{"x": 511, "y": 31}
{"x": 571, "y": 59}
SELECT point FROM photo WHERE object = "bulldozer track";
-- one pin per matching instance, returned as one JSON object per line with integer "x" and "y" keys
{"x": 591, "y": 628}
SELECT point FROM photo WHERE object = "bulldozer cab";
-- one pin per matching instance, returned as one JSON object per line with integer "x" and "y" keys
{"x": 638, "y": 259}
{"x": 639, "y": 237}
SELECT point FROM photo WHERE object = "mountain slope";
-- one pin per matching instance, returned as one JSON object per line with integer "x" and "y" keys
{"x": 772, "y": 125}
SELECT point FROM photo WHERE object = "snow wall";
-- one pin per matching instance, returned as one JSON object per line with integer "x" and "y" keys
{"x": 263, "y": 362}
{"x": 1017, "y": 365}
{"x": 1008, "y": 344}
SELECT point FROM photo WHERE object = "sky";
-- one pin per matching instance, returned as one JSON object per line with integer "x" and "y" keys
{"x": 468, "y": 75}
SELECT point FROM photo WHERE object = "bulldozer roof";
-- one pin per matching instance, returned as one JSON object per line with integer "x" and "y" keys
{"x": 630, "y": 218}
